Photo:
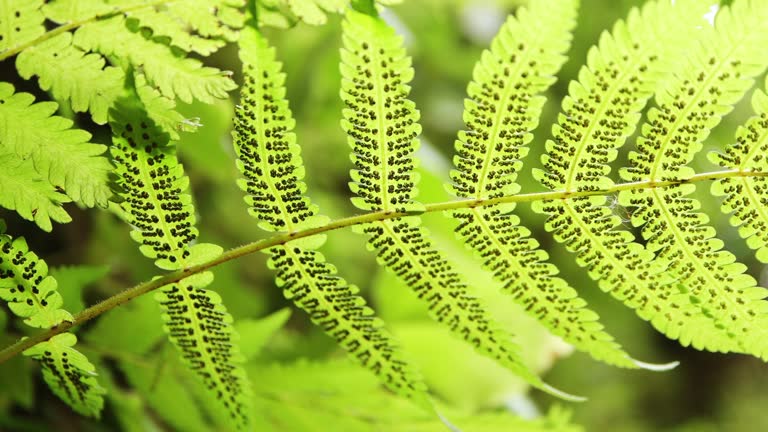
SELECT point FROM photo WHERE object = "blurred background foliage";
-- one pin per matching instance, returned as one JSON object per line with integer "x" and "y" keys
{"x": 301, "y": 382}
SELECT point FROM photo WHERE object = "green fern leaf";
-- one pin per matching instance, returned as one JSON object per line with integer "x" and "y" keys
{"x": 61, "y": 155}
{"x": 382, "y": 126}
{"x": 313, "y": 11}
{"x": 168, "y": 71}
{"x": 66, "y": 11}
{"x": 716, "y": 76}
{"x": 269, "y": 158}
{"x": 202, "y": 26}
{"x": 502, "y": 110}
{"x": 69, "y": 374}
{"x": 22, "y": 190}
{"x": 747, "y": 197}
{"x": 161, "y": 109}
{"x": 26, "y": 286}
{"x": 73, "y": 75}
{"x": 20, "y": 22}
{"x": 601, "y": 111}
{"x": 157, "y": 205}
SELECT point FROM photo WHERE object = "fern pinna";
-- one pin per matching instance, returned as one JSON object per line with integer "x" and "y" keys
{"x": 126, "y": 63}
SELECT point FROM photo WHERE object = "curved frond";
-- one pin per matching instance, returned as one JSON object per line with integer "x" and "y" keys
{"x": 170, "y": 72}
{"x": 69, "y": 374}
{"x": 25, "y": 284}
{"x": 712, "y": 78}
{"x": 270, "y": 161}
{"x": 33, "y": 198}
{"x": 61, "y": 155}
{"x": 20, "y": 22}
{"x": 158, "y": 206}
{"x": 747, "y": 197}
{"x": 382, "y": 127}
{"x": 599, "y": 113}
{"x": 503, "y": 107}
{"x": 71, "y": 74}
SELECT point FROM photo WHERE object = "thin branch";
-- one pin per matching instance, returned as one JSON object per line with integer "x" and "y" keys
{"x": 247, "y": 249}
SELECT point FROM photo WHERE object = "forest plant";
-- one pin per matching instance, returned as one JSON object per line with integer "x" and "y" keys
{"x": 126, "y": 62}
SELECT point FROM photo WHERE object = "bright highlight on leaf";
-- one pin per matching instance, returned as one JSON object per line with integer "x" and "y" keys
{"x": 503, "y": 107}
{"x": 601, "y": 111}
{"x": 747, "y": 198}
{"x": 382, "y": 126}
{"x": 715, "y": 75}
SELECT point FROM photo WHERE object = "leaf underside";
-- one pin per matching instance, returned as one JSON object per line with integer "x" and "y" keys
{"x": 270, "y": 161}
{"x": 155, "y": 198}
{"x": 382, "y": 126}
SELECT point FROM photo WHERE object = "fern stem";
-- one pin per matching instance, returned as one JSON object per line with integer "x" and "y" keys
{"x": 247, "y": 249}
{"x": 75, "y": 24}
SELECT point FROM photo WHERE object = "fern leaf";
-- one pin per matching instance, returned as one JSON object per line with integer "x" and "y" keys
{"x": 26, "y": 286}
{"x": 61, "y": 155}
{"x": 313, "y": 11}
{"x": 161, "y": 109}
{"x": 202, "y": 26}
{"x": 69, "y": 374}
{"x": 65, "y": 11}
{"x": 715, "y": 77}
{"x": 599, "y": 113}
{"x": 502, "y": 110}
{"x": 269, "y": 158}
{"x": 20, "y": 22}
{"x": 35, "y": 199}
{"x": 73, "y": 75}
{"x": 747, "y": 197}
{"x": 382, "y": 126}
{"x": 168, "y": 71}
{"x": 154, "y": 190}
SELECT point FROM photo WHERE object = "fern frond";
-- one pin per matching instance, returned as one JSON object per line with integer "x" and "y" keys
{"x": 160, "y": 209}
{"x": 313, "y": 11}
{"x": 747, "y": 198}
{"x": 714, "y": 77}
{"x": 285, "y": 13}
{"x": 65, "y": 11}
{"x": 270, "y": 161}
{"x": 382, "y": 126}
{"x": 69, "y": 374}
{"x": 599, "y": 113}
{"x": 61, "y": 155}
{"x": 168, "y": 71}
{"x": 23, "y": 190}
{"x": 201, "y": 26}
{"x": 73, "y": 75}
{"x": 25, "y": 284}
{"x": 503, "y": 108}
{"x": 161, "y": 109}
{"x": 20, "y": 22}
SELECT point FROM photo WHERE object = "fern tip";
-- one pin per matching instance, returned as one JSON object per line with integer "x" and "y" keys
{"x": 655, "y": 367}
{"x": 451, "y": 427}
{"x": 561, "y": 394}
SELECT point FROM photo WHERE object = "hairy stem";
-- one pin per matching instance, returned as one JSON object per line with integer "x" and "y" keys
{"x": 145, "y": 287}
